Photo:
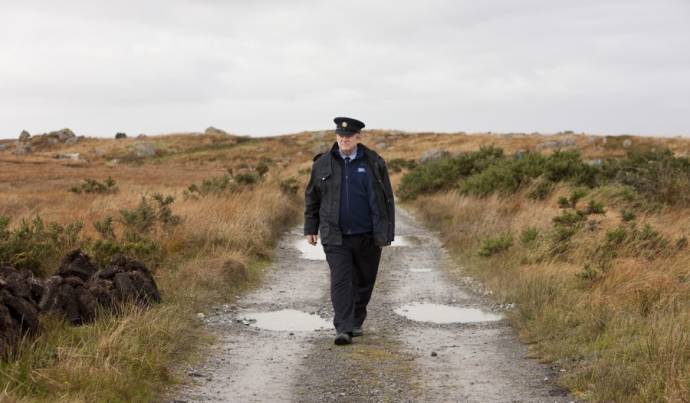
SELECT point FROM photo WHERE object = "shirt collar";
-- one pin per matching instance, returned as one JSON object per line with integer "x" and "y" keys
{"x": 352, "y": 155}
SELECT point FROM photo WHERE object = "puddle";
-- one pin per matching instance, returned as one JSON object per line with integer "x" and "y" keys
{"x": 420, "y": 270}
{"x": 288, "y": 320}
{"x": 310, "y": 252}
{"x": 436, "y": 313}
{"x": 401, "y": 241}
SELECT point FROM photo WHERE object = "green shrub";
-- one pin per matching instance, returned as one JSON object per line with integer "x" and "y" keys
{"x": 627, "y": 215}
{"x": 529, "y": 235}
{"x": 541, "y": 189}
{"x": 594, "y": 207}
{"x": 658, "y": 176}
{"x": 35, "y": 245}
{"x": 94, "y": 186}
{"x": 492, "y": 246}
{"x": 398, "y": 164}
{"x": 247, "y": 178}
{"x": 289, "y": 186}
{"x": 444, "y": 173}
{"x": 567, "y": 166}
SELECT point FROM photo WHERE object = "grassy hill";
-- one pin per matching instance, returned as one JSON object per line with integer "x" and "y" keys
{"x": 596, "y": 264}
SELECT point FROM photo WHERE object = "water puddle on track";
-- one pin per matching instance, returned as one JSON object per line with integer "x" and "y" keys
{"x": 436, "y": 313}
{"x": 287, "y": 320}
{"x": 310, "y": 252}
{"x": 401, "y": 241}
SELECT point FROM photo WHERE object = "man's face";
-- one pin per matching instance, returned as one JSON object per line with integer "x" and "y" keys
{"x": 347, "y": 143}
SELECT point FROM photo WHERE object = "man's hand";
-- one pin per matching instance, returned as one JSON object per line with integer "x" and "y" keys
{"x": 312, "y": 239}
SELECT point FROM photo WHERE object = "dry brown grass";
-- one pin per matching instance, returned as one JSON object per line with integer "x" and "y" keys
{"x": 222, "y": 245}
{"x": 621, "y": 338}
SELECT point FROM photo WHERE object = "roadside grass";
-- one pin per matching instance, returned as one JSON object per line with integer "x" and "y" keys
{"x": 621, "y": 335}
{"x": 220, "y": 247}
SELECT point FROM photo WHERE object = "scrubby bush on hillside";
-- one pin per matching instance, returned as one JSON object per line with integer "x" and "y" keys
{"x": 489, "y": 171}
{"x": 658, "y": 176}
{"x": 140, "y": 228}
{"x": 35, "y": 245}
{"x": 492, "y": 246}
{"x": 94, "y": 186}
{"x": 398, "y": 164}
{"x": 444, "y": 173}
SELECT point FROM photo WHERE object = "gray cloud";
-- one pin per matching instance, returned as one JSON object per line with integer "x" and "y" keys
{"x": 271, "y": 67}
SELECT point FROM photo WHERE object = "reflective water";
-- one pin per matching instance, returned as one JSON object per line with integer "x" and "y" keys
{"x": 436, "y": 313}
{"x": 310, "y": 252}
{"x": 400, "y": 241}
{"x": 288, "y": 320}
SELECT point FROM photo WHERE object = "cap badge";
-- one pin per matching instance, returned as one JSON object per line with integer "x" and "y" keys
{"x": 344, "y": 124}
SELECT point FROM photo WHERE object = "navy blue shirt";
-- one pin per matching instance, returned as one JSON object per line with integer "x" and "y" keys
{"x": 357, "y": 205}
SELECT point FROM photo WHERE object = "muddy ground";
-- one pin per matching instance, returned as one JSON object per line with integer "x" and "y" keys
{"x": 398, "y": 359}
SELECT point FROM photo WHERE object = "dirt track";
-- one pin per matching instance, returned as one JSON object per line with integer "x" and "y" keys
{"x": 396, "y": 360}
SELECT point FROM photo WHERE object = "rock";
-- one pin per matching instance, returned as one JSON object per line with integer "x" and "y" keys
{"x": 77, "y": 264}
{"x": 212, "y": 131}
{"x": 142, "y": 136}
{"x": 144, "y": 150}
{"x": 125, "y": 280}
{"x": 120, "y": 136}
{"x": 72, "y": 141}
{"x": 24, "y": 136}
{"x": 3, "y": 146}
{"x": 62, "y": 135}
{"x": 382, "y": 145}
{"x": 434, "y": 354}
{"x": 594, "y": 162}
{"x": 19, "y": 295}
{"x": 432, "y": 154}
{"x": 67, "y": 293}
{"x": 200, "y": 315}
{"x": 556, "y": 144}
{"x": 69, "y": 156}
{"x": 22, "y": 149}
{"x": 627, "y": 143}
{"x": 113, "y": 163}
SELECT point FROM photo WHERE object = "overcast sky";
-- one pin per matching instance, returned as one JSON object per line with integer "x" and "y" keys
{"x": 275, "y": 67}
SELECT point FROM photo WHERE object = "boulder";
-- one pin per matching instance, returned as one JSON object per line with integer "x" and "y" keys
{"x": 69, "y": 156}
{"x": 214, "y": 131}
{"x": 3, "y": 146}
{"x": 77, "y": 264}
{"x": 62, "y": 135}
{"x": 24, "y": 136}
{"x": 124, "y": 280}
{"x": 72, "y": 141}
{"x": 20, "y": 292}
{"x": 627, "y": 143}
{"x": 143, "y": 150}
{"x": 432, "y": 154}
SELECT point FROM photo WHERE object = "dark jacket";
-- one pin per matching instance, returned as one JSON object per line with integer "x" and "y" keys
{"x": 322, "y": 198}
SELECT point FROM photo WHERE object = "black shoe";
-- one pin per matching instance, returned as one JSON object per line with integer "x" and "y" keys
{"x": 357, "y": 331}
{"x": 343, "y": 338}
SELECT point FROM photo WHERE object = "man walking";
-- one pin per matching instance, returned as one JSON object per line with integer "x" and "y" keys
{"x": 349, "y": 201}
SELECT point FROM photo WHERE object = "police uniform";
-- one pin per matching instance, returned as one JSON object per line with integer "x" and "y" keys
{"x": 356, "y": 187}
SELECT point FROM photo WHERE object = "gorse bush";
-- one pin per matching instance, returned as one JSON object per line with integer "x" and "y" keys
{"x": 658, "y": 176}
{"x": 141, "y": 229}
{"x": 443, "y": 173}
{"x": 227, "y": 184}
{"x": 488, "y": 171}
{"x": 492, "y": 246}
{"x": 35, "y": 245}
{"x": 398, "y": 164}
{"x": 94, "y": 186}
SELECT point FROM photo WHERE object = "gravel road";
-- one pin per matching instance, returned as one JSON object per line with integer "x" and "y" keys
{"x": 430, "y": 336}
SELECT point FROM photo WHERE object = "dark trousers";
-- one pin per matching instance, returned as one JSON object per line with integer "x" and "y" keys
{"x": 354, "y": 266}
